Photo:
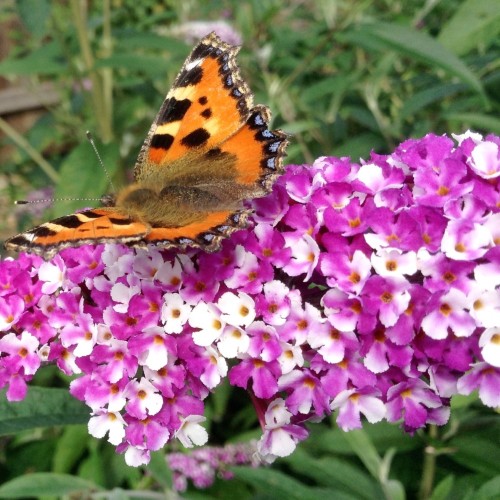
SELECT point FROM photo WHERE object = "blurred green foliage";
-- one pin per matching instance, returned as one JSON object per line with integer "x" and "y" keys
{"x": 344, "y": 78}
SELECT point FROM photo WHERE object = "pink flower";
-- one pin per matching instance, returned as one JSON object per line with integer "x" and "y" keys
{"x": 372, "y": 289}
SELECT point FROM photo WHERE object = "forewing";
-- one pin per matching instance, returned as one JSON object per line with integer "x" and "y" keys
{"x": 99, "y": 225}
{"x": 207, "y": 103}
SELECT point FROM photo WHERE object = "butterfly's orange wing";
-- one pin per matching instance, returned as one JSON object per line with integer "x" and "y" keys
{"x": 256, "y": 152}
{"x": 207, "y": 103}
{"x": 90, "y": 226}
{"x": 208, "y": 150}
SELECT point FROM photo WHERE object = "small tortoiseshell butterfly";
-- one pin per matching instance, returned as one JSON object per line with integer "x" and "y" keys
{"x": 208, "y": 149}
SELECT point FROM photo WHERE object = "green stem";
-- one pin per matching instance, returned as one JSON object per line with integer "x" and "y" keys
{"x": 79, "y": 13}
{"x": 107, "y": 73}
{"x": 22, "y": 143}
{"x": 429, "y": 467}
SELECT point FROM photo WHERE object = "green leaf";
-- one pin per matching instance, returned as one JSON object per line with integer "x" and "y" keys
{"x": 477, "y": 453}
{"x": 94, "y": 467}
{"x": 142, "y": 40}
{"x": 282, "y": 486}
{"x": 394, "y": 490}
{"x": 34, "y": 15}
{"x": 482, "y": 121}
{"x": 81, "y": 176}
{"x": 41, "y": 408}
{"x": 149, "y": 65}
{"x": 489, "y": 490}
{"x": 418, "y": 45}
{"x": 359, "y": 146}
{"x": 70, "y": 448}
{"x": 219, "y": 400}
{"x": 334, "y": 472}
{"x": 159, "y": 469}
{"x": 365, "y": 450}
{"x": 443, "y": 488}
{"x": 46, "y": 484}
{"x": 44, "y": 61}
{"x": 424, "y": 98}
{"x": 475, "y": 23}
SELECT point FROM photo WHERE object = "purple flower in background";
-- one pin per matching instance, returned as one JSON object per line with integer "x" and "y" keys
{"x": 192, "y": 31}
{"x": 371, "y": 290}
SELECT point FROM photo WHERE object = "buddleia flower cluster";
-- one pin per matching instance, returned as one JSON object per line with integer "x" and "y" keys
{"x": 367, "y": 289}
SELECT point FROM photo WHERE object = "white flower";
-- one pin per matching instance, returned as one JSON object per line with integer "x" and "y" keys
{"x": 394, "y": 262}
{"x": 53, "y": 274}
{"x": 237, "y": 310}
{"x": 207, "y": 318}
{"x": 174, "y": 313}
{"x": 490, "y": 346}
{"x": 111, "y": 422}
{"x": 233, "y": 341}
{"x": 191, "y": 433}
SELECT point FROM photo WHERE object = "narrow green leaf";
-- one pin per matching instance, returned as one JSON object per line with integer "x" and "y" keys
{"x": 150, "y": 65}
{"x": 443, "y": 488}
{"x": 336, "y": 473}
{"x": 475, "y": 23}
{"x": 139, "y": 40}
{"x": 47, "y": 60}
{"x": 477, "y": 453}
{"x": 94, "y": 467}
{"x": 41, "y": 408}
{"x": 421, "y": 46}
{"x": 481, "y": 121}
{"x": 281, "y": 485}
{"x": 489, "y": 490}
{"x": 359, "y": 146}
{"x": 394, "y": 490}
{"x": 159, "y": 469}
{"x": 365, "y": 451}
{"x": 70, "y": 448}
{"x": 34, "y": 14}
{"x": 431, "y": 95}
{"x": 46, "y": 484}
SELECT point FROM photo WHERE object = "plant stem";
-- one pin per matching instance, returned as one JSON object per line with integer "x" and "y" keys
{"x": 107, "y": 73}
{"x": 429, "y": 467}
{"x": 79, "y": 12}
{"x": 21, "y": 142}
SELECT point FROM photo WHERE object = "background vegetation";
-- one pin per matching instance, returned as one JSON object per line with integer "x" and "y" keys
{"x": 345, "y": 78}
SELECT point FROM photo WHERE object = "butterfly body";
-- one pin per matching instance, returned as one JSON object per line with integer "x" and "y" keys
{"x": 208, "y": 149}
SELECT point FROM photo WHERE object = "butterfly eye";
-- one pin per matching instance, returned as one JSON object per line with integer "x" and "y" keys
{"x": 108, "y": 200}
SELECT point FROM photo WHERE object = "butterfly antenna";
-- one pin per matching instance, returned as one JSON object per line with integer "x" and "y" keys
{"x": 92, "y": 143}
{"x": 51, "y": 200}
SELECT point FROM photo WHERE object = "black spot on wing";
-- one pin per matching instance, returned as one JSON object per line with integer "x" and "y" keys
{"x": 191, "y": 76}
{"x": 162, "y": 141}
{"x": 120, "y": 222}
{"x": 91, "y": 214}
{"x": 174, "y": 110}
{"x": 44, "y": 231}
{"x": 206, "y": 113}
{"x": 19, "y": 240}
{"x": 196, "y": 138}
{"x": 214, "y": 152}
{"x": 68, "y": 221}
{"x": 202, "y": 100}
{"x": 203, "y": 50}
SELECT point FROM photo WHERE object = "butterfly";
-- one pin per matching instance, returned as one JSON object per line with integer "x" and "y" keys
{"x": 208, "y": 149}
